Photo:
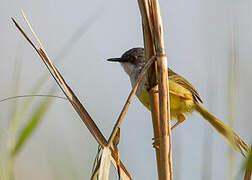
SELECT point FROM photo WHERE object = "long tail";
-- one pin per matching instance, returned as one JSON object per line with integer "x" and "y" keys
{"x": 223, "y": 129}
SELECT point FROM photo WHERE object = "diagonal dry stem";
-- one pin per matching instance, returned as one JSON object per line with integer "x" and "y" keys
{"x": 130, "y": 97}
{"x": 70, "y": 95}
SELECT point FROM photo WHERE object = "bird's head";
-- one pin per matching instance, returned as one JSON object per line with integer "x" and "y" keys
{"x": 132, "y": 60}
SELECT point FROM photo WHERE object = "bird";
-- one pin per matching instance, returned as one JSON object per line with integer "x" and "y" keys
{"x": 184, "y": 98}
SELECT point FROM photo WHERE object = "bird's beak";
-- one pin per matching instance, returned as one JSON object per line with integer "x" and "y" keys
{"x": 122, "y": 59}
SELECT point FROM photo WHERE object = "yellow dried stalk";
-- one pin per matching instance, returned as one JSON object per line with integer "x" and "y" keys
{"x": 79, "y": 108}
{"x": 154, "y": 43}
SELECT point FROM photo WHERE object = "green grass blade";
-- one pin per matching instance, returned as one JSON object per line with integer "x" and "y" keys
{"x": 97, "y": 157}
{"x": 249, "y": 162}
{"x": 31, "y": 125}
{"x": 16, "y": 78}
{"x": 248, "y": 171}
{"x": 24, "y": 107}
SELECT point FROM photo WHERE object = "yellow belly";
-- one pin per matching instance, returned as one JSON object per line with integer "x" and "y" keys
{"x": 178, "y": 104}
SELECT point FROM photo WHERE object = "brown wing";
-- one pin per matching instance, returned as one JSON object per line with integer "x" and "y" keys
{"x": 180, "y": 80}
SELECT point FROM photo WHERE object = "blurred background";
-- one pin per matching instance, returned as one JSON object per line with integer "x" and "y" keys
{"x": 207, "y": 42}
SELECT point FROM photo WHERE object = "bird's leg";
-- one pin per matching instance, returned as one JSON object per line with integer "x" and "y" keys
{"x": 156, "y": 143}
{"x": 181, "y": 118}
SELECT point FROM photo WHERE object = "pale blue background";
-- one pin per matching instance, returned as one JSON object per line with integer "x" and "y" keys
{"x": 198, "y": 40}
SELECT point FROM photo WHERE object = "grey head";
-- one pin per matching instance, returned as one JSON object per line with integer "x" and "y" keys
{"x": 132, "y": 61}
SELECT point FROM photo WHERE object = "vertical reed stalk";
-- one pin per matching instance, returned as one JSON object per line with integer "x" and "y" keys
{"x": 154, "y": 102}
{"x": 154, "y": 43}
{"x": 165, "y": 129}
{"x": 144, "y": 6}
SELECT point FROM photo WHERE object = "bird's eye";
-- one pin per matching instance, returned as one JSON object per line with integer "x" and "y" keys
{"x": 134, "y": 58}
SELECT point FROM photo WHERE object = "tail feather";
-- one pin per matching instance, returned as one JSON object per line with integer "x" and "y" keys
{"x": 223, "y": 129}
